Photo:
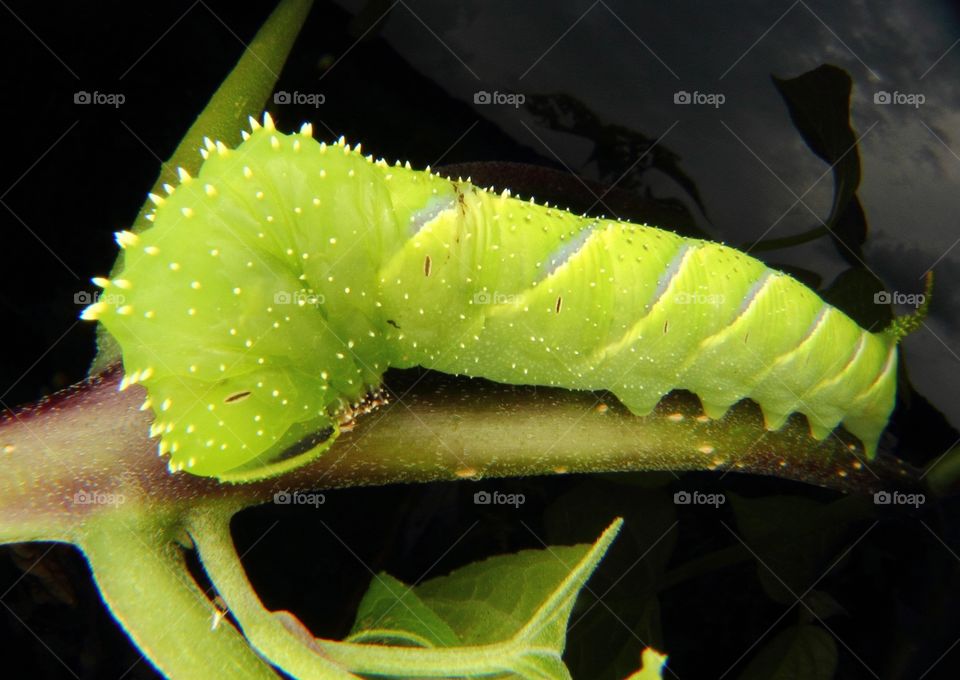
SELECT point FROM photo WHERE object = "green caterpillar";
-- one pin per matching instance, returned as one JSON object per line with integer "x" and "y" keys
{"x": 274, "y": 290}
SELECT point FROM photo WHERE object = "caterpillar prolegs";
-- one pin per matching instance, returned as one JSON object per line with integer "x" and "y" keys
{"x": 275, "y": 288}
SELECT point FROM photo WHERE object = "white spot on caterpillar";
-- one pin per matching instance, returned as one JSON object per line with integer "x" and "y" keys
{"x": 93, "y": 312}
{"x": 706, "y": 449}
{"x": 151, "y": 250}
{"x": 187, "y": 212}
{"x": 195, "y": 285}
{"x": 174, "y": 266}
{"x": 127, "y": 238}
{"x": 675, "y": 417}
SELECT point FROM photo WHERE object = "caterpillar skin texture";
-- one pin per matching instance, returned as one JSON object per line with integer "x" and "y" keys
{"x": 276, "y": 287}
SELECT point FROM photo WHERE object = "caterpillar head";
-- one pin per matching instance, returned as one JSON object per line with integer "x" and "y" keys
{"x": 216, "y": 316}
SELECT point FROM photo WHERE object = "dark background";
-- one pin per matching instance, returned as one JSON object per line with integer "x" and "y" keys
{"x": 72, "y": 175}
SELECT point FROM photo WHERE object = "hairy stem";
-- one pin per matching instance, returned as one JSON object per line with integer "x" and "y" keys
{"x": 144, "y": 580}
{"x": 73, "y": 457}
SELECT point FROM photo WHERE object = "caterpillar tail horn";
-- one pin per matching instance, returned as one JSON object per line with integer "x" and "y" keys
{"x": 902, "y": 326}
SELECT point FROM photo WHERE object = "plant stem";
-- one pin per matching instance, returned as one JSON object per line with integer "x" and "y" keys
{"x": 93, "y": 441}
{"x": 143, "y": 578}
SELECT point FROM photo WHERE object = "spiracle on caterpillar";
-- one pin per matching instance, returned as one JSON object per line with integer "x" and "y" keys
{"x": 274, "y": 289}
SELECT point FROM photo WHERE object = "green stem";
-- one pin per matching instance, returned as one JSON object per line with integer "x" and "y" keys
{"x": 145, "y": 582}
{"x": 210, "y": 530}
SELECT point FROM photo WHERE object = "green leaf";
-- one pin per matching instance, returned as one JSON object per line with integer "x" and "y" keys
{"x": 392, "y": 613}
{"x": 802, "y": 652}
{"x": 515, "y": 608}
{"x": 242, "y": 94}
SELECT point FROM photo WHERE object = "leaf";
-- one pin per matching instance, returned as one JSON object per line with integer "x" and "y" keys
{"x": 651, "y": 665}
{"x": 243, "y": 93}
{"x": 514, "y": 607}
{"x": 392, "y": 613}
{"x": 819, "y": 105}
{"x": 803, "y": 652}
